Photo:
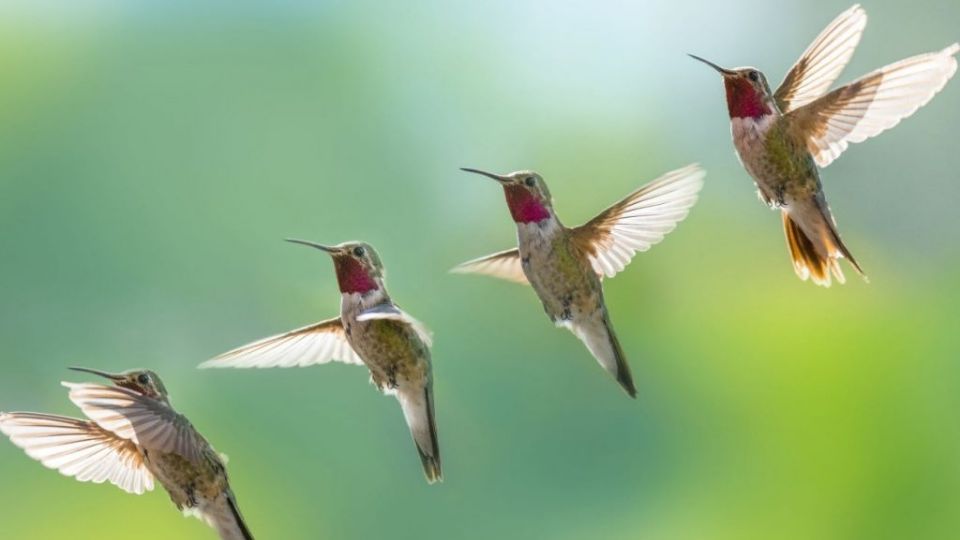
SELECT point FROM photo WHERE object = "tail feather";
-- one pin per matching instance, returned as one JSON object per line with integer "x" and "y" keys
{"x": 418, "y": 410}
{"x": 240, "y": 523}
{"x": 598, "y": 335}
{"x": 623, "y": 375}
{"x": 223, "y": 515}
{"x": 815, "y": 246}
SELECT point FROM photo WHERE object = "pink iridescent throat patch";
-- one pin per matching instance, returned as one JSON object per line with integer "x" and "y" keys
{"x": 352, "y": 276}
{"x": 525, "y": 206}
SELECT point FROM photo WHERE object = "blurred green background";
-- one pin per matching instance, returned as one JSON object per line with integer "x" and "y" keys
{"x": 153, "y": 155}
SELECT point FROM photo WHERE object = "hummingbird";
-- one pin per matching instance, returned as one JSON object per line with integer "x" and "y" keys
{"x": 782, "y": 137}
{"x": 566, "y": 266}
{"x": 133, "y": 437}
{"x": 372, "y": 331}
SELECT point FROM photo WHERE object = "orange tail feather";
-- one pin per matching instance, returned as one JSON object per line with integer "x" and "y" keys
{"x": 817, "y": 258}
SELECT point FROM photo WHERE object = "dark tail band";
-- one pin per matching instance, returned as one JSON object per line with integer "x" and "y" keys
{"x": 239, "y": 519}
{"x": 623, "y": 368}
{"x": 431, "y": 463}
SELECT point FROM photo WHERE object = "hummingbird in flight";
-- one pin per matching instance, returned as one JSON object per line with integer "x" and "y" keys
{"x": 783, "y": 137}
{"x": 566, "y": 266}
{"x": 372, "y": 331}
{"x": 132, "y": 437}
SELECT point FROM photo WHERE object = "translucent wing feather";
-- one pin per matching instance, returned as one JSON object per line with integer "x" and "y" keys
{"x": 148, "y": 422}
{"x": 638, "y": 221}
{"x": 823, "y": 60}
{"x": 80, "y": 449}
{"x": 872, "y": 104}
{"x": 504, "y": 265}
{"x": 318, "y": 343}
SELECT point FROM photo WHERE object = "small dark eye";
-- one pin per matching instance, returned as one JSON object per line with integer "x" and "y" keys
{"x": 358, "y": 251}
{"x": 754, "y": 76}
{"x": 530, "y": 181}
{"x": 143, "y": 378}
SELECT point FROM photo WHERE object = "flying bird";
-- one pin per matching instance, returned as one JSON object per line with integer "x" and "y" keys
{"x": 132, "y": 437}
{"x": 783, "y": 137}
{"x": 566, "y": 266}
{"x": 372, "y": 331}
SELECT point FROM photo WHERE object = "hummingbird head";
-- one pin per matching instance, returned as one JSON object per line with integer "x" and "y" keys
{"x": 358, "y": 266}
{"x": 527, "y": 195}
{"x": 748, "y": 94}
{"x": 142, "y": 381}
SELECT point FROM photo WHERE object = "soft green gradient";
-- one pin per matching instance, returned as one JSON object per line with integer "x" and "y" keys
{"x": 152, "y": 159}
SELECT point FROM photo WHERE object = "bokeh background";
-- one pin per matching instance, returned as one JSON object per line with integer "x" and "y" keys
{"x": 153, "y": 155}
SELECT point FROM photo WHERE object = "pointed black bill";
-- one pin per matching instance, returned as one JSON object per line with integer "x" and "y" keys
{"x": 328, "y": 249}
{"x": 111, "y": 376}
{"x": 723, "y": 71}
{"x": 497, "y": 177}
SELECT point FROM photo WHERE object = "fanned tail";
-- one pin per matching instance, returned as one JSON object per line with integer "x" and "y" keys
{"x": 815, "y": 245}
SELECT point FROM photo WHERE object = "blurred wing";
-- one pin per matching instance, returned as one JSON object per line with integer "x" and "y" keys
{"x": 639, "y": 221}
{"x": 823, "y": 60}
{"x": 389, "y": 311}
{"x": 80, "y": 449}
{"x": 504, "y": 265}
{"x": 872, "y": 104}
{"x": 318, "y": 343}
{"x": 148, "y": 422}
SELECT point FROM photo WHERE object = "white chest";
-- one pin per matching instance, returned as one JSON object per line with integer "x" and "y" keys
{"x": 749, "y": 136}
{"x": 531, "y": 236}
{"x": 536, "y": 242}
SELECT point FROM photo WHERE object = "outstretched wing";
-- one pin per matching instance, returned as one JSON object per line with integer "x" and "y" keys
{"x": 318, "y": 343}
{"x": 150, "y": 423}
{"x": 872, "y": 104}
{"x": 639, "y": 221}
{"x": 79, "y": 448}
{"x": 390, "y": 311}
{"x": 823, "y": 60}
{"x": 504, "y": 265}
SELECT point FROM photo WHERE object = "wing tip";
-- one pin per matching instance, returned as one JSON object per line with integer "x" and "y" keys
{"x": 693, "y": 174}
{"x": 856, "y": 11}
{"x": 950, "y": 68}
{"x": 462, "y": 268}
{"x": 224, "y": 363}
{"x": 219, "y": 361}
{"x": 496, "y": 265}
{"x": 688, "y": 181}
{"x": 696, "y": 172}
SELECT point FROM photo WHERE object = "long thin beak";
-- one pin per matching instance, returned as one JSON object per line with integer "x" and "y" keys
{"x": 497, "y": 177}
{"x": 723, "y": 71}
{"x": 328, "y": 249}
{"x": 111, "y": 376}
